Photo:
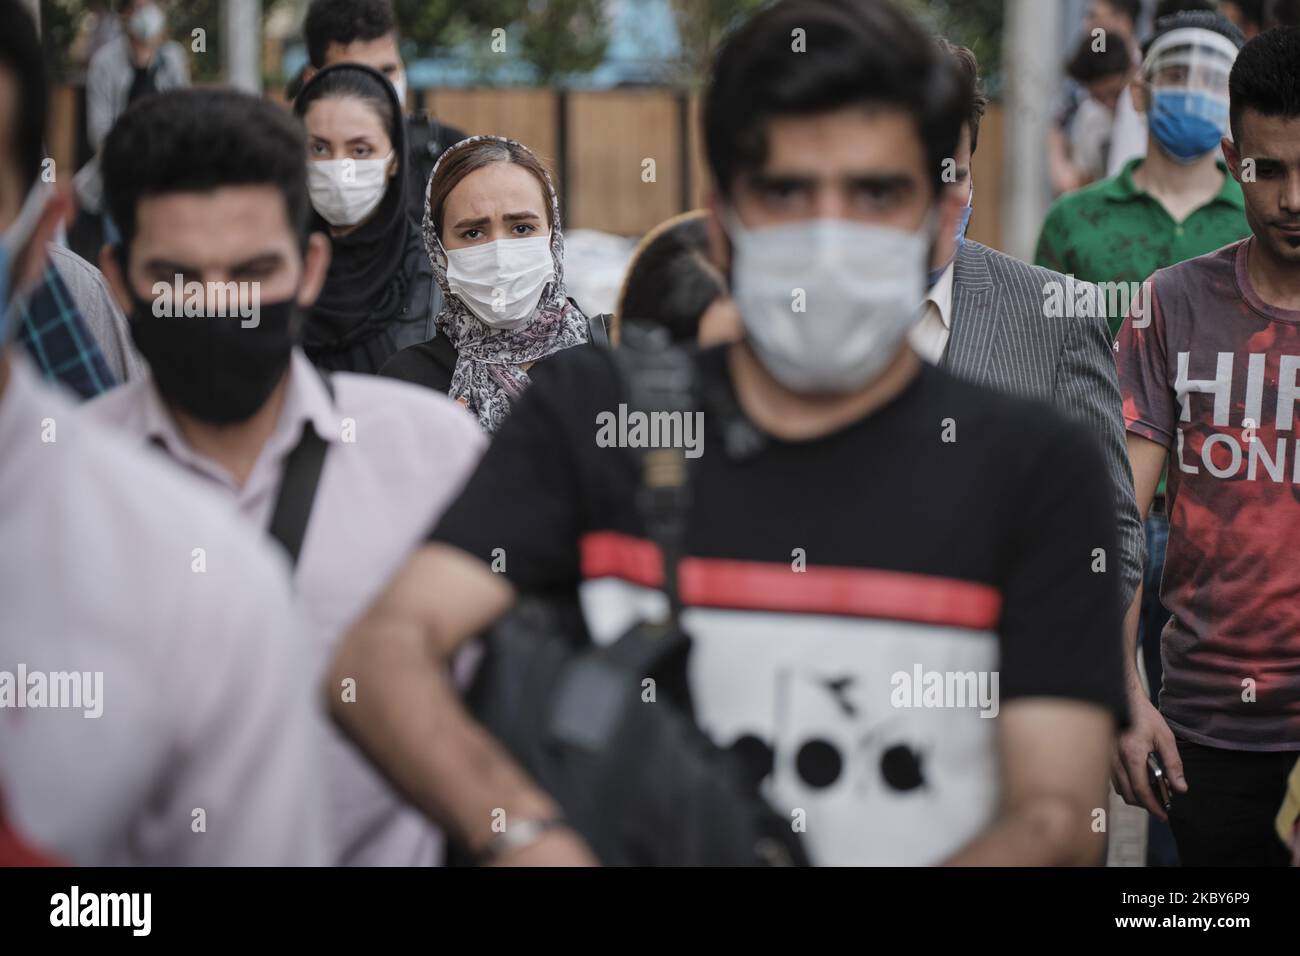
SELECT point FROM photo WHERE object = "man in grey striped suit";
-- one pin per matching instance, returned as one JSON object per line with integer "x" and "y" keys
{"x": 1014, "y": 327}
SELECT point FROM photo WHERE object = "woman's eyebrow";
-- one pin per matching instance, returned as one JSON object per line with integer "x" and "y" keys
{"x": 487, "y": 220}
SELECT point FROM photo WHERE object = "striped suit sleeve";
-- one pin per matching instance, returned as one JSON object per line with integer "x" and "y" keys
{"x": 1087, "y": 388}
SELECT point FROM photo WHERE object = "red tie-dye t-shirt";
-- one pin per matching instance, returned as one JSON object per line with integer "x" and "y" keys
{"x": 1212, "y": 372}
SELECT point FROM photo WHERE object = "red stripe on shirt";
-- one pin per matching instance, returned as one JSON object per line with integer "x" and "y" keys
{"x": 764, "y": 586}
{"x": 14, "y": 851}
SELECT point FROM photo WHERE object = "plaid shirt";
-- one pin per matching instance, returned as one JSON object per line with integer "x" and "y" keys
{"x": 57, "y": 338}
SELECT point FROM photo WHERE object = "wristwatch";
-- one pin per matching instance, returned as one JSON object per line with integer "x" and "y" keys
{"x": 516, "y": 836}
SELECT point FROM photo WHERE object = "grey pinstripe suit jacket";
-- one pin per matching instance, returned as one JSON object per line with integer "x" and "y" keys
{"x": 1001, "y": 339}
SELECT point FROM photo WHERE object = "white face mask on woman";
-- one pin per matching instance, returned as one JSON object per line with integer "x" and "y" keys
{"x": 346, "y": 191}
{"x": 827, "y": 303}
{"x": 501, "y": 282}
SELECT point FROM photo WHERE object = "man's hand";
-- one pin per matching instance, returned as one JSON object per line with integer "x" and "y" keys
{"x": 1149, "y": 734}
{"x": 407, "y": 715}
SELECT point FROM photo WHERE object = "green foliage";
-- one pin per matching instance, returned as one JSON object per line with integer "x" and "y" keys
{"x": 185, "y": 17}
{"x": 60, "y": 21}
{"x": 977, "y": 24}
{"x": 564, "y": 36}
{"x": 436, "y": 23}
{"x": 556, "y": 37}
{"x": 701, "y": 24}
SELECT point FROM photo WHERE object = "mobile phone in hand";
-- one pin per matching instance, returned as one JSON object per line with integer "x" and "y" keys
{"x": 1159, "y": 780}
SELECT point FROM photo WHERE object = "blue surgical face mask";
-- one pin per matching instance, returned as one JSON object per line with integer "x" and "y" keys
{"x": 959, "y": 240}
{"x": 1187, "y": 124}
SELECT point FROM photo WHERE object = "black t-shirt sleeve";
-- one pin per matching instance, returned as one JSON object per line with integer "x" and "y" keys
{"x": 1061, "y": 620}
{"x": 525, "y": 498}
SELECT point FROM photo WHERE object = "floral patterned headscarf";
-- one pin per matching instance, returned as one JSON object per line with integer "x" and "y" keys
{"x": 488, "y": 374}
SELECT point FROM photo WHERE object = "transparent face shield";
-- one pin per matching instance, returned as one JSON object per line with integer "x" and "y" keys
{"x": 1191, "y": 61}
{"x": 1187, "y": 72}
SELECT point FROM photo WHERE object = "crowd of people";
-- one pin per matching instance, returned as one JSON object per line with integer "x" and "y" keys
{"x": 903, "y": 550}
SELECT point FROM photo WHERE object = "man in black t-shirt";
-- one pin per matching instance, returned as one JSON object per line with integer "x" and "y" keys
{"x": 895, "y": 595}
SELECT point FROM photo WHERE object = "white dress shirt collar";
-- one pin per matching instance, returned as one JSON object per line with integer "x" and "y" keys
{"x": 305, "y": 400}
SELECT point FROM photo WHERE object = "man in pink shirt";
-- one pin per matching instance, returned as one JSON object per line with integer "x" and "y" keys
{"x": 347, "y": 472}
{"x": 153, "y": 707}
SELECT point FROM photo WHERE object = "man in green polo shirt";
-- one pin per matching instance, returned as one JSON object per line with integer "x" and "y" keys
{"x": 1176, "y": 203}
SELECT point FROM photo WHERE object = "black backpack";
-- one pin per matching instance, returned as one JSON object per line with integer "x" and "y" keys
{"x": 639, "y": 780}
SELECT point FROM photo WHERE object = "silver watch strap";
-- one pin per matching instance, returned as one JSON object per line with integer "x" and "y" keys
{"x": 517, "y": 835}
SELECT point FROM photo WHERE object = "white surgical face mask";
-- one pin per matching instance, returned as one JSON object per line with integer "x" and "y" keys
{"x": 827, "y": 303}
{"x": 501, "y": 282}
{"x": 146, "y": 23}
{"x": 346, "y": 191}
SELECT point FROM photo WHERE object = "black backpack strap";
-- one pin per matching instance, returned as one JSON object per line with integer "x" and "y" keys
{"x": 659, "y": 378}
{"x": 598, "y": 330}
{"x": 597, "y": 325}
{"x": 297, "y": 492}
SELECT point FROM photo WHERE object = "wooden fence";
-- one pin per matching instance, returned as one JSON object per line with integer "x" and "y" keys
{"x": 599, "y": 147}
{"x": 623, "y": 160}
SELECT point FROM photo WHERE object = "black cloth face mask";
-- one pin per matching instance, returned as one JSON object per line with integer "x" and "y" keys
{"x": 214, "y": 368}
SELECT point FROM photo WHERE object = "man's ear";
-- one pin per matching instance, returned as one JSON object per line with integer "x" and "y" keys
{"x": 308, "y": 72}
{"x": 1232, "y": 157}
{"x": 315, "y": 266}
{"x": 111, "y": 267}
{"x": 719, "y": 244}
{"x": 32, "y": 261}
{"x": 1138, "y": 93}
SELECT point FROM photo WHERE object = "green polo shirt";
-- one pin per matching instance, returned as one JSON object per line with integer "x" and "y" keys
{"x": 1111, "y": 231}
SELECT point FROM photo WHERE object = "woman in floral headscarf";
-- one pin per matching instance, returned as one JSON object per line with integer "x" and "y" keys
{"x": 492, "y": 231}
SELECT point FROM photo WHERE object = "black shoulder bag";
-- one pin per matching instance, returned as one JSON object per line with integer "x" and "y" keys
{"x": 297, "y": 492}
{"x": 597, "y": 326}
{"x": 636, "y": 777}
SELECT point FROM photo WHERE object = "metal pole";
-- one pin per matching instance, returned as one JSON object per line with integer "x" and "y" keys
{"x": 1032, "y": 57}
{"x": 242, "y": 39}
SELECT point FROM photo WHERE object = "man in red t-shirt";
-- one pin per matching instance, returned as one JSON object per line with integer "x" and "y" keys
{"x": 1210, "y": 372}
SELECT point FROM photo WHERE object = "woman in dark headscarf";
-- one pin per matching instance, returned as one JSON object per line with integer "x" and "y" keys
{"x": 378, "y": 295}
{"x": 492, "y": 231}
